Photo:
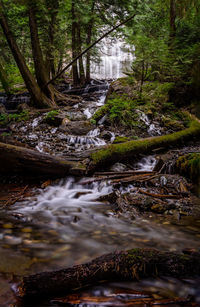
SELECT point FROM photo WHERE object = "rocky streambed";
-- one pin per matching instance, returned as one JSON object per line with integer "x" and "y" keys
{"x": 140, "y": 203}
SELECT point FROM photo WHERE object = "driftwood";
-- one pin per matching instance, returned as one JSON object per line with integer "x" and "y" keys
{"x": 124, "y": 265}
{"x": 20, "y": 160}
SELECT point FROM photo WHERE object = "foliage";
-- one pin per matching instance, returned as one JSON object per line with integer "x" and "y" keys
{"x": 7, "y": 118}
{"x": 51, "y": 115}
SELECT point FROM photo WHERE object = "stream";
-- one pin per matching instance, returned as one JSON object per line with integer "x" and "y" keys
{"x": 67, "y": 222}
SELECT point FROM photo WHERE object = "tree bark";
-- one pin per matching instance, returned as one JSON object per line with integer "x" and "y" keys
{"x": 4, "y": 80}
{"x": 88, "y": 42}
{"x": 124, "y": 265}
{"x": 81, "y": 66}
{"x": 39, "y": 98}
{"x": 20, "y": 160}
{"x": 74, "y": 46}
{"x": 40, "y": 68}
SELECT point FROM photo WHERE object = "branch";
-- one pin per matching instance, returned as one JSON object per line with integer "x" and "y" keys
{"x": 87, "y": 49}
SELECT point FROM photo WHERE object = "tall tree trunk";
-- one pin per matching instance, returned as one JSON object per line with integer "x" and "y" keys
{"x": 88, "y": 42}
{"x": 172, "y": 22}
{"x": 81, "y": 67}
{"x": 54, "y": 5}
{"x": 74, "y": 46}
{"x": 4, "y": 80}
{"x": 40, "y": 100}
{"x": 40, "y": 69}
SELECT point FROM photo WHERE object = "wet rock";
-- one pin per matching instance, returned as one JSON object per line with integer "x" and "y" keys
{"x": 55, "y": 121}
{"x": 77, "y": 128}
{"x": 118, "y": 167}
{"x": 106, "y": 135}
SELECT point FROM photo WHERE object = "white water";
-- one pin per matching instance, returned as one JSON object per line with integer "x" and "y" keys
{"x": 86, "y": 226}
{"x": 115, "y": 58}
{"x": 146, "y": 164}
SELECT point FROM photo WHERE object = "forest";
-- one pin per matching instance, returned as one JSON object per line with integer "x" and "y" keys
{"x": 99, "y": 153}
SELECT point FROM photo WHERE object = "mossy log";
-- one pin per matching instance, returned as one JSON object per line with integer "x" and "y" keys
{"x": 124, "y": 265}
{"x": 27, "y": 162}
{"x": 126, "y": 151}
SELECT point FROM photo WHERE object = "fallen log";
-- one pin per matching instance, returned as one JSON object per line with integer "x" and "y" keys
{"x": 128, "y": 150}
{"x": 124, "y": 265}
{"x": 28, "y": 162}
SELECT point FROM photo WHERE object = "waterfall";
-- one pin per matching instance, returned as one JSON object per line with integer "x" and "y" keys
{"x": 115, "y": 58}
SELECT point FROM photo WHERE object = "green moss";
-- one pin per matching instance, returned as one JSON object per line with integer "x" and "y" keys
{"x": 189, "y": 165}
{"x": 126, "y": 150}
{"x": 120, "y": 139}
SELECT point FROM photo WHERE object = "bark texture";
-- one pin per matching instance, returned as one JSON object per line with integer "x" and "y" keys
{"x": 124, "y": 265}
{"x": 20, "y": 160}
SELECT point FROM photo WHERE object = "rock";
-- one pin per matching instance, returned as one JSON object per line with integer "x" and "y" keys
{"x": 55, "y": 121}
{"x": 2, "y": 109}
{"x": 118, "y": 167}
{"x": 106, "y": 135}
{"x": 23, "y": 107}
{"x": 77, "y": 128}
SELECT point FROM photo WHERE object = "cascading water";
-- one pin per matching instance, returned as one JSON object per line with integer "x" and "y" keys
{"x": 115, "y": 58}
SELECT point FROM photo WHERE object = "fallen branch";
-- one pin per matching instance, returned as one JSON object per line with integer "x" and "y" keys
{"x": 160, "y": 195}
{"x": 124, "y": 265}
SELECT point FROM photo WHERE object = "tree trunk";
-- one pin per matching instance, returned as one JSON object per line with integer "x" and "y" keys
{"x": 54, "y": 5}
{"x": 81, "y": 67}
{"x": 88, "y": 42}
{"x": 128, "y": 150}
{"x": 20, "y": 160}
{"x": 4, "y": 80}
{"x": 124, "y": 265}
{"x": 40, "y": 69}
{"x": 74, "y": 47}
{"x": 39, "y": 98}
{"x": 172, "y": 22}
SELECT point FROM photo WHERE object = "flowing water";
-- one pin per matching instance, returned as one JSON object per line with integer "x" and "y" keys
{"x": 115, "y": 59}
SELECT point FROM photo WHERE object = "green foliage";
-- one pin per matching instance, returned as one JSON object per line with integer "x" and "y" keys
{"x": 7, "y": 118}
{"x": 51, "y": 115}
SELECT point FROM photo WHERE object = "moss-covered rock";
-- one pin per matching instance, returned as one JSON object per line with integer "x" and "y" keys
{"x": 189, "y": 165}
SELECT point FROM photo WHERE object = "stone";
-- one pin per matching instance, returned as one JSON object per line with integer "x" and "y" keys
{"x": 118, "y": 167}
{"x": 77, "y": 128}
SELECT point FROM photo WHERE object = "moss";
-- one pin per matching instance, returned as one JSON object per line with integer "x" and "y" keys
{"x": 120, "y": 139}
{"x": 100, "y": 113}
{"x": 127, "y": 150}
{"x": 189, "y": 165}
